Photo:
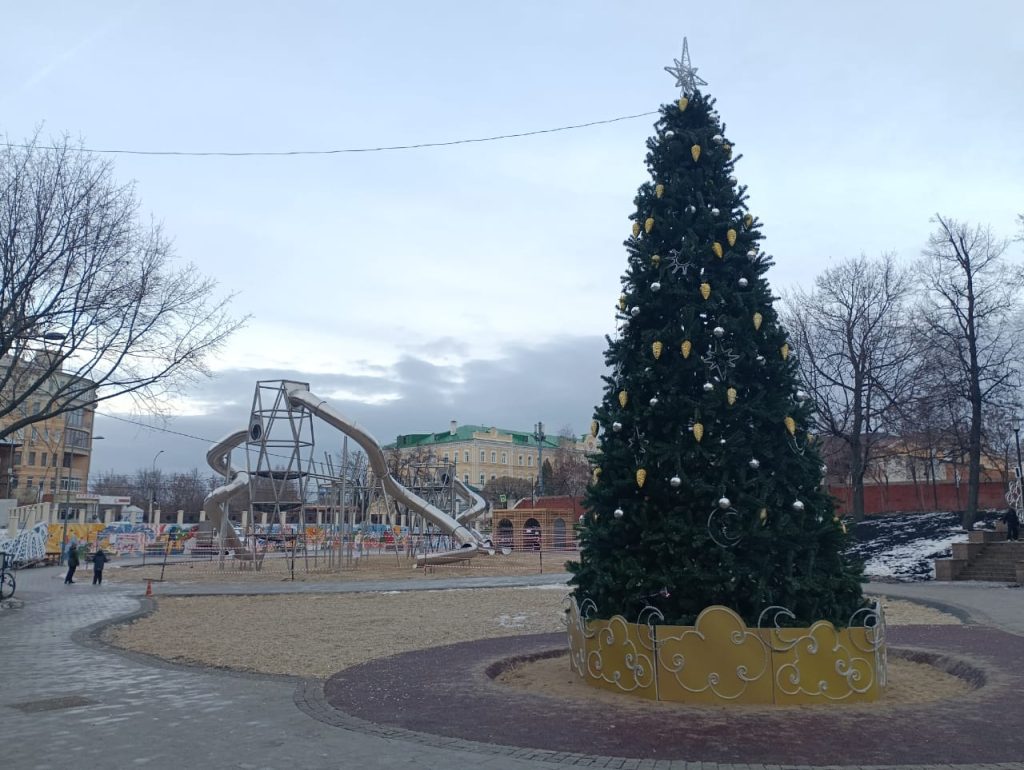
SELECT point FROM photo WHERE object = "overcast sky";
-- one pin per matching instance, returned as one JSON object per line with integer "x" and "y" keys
{"x": 476, "y": 282}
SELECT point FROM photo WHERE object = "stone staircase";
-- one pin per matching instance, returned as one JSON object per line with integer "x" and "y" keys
{"x": 985, "y": 556}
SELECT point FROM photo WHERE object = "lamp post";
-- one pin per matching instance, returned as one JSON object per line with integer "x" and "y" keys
{"x": 1015, "y": 424}
{"x": 152, "y": 484}
{"x": 67, "y": 490}
{"x": 538, "y": 434}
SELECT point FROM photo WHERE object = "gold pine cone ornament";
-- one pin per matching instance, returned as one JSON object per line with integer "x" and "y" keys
{"x": 758, "y": 318}
{"x": 659, "y": 190}
{"x": 641, "y": 477}
{"x": 705, "y": 290}
{"x": 730, "y": 236}
{"x": 790, "y": 425}
{"x": 730, "y": 396}
{"x": 784, "y": 350}
{"x": 636, "y": 229}
{"x": 683, "y": 103}
{"x": 716, "y": 247}
{"x": 698, "y": 431}
{"x": 623, "y": 398}
{"x": 656, "y": 348}
{"x": 695, "y": 152}
{"x": 648, "y": 224}
{"x": 594, "y": 428}
{"x": 685, "y": 348}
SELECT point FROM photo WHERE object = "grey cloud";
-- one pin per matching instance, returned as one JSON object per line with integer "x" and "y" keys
{"x": 558, "y": 383}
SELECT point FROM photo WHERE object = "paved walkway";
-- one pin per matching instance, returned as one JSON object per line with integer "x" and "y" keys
{"x": 65, "y": 701}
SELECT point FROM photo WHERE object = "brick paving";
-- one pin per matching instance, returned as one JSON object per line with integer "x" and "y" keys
{"x": 123, "y": 710}
{"x": 447, "y": 691}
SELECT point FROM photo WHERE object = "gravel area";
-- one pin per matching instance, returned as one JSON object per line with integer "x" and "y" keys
{"x": 316, "y": 635}
{"x": 382, "y": 566}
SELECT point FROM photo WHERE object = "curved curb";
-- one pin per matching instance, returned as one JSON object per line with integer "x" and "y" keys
{"x": 91, "y": 637}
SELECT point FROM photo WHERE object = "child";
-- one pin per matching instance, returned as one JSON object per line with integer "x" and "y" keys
{"x": 98, "y": 561}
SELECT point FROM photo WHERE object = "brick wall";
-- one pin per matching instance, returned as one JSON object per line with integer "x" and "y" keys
{"x": 907, "y": 496}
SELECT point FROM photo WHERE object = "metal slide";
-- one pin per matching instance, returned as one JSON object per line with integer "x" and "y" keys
{"x": 237, "y": 483}
{"x": 471, "y": 541}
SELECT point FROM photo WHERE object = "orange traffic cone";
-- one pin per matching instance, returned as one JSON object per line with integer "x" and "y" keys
{"x": 149, "y": 587}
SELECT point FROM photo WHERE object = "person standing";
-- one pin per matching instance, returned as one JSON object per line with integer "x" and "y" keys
{"x": 98, "y": 561}
{"x": 1012, "y": 524}
{"x": 72, "y": 563}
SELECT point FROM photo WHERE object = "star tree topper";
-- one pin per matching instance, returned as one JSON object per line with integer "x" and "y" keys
{"x": 685, "y": 75}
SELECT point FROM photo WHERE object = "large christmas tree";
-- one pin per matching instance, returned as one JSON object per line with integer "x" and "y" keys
{"x": 708, "y": 486}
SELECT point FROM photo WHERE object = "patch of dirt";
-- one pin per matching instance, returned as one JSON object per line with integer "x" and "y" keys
{"x": 315, "y": 635}
{"x": 909, "y": 683}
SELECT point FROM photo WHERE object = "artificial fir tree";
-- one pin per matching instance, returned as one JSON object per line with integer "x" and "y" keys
{"x": 708, "y": 485}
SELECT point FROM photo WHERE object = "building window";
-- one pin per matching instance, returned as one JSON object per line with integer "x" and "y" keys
{"x": 482, "y": 455}
{"x": 67, "y": 459}
{"x": 465, "y": 477}
{"x": 31, "y": 458}
{"x": 481, "y": 479}
{"x": 17, "y": 458}
{"x": 53, "y": 485}
{"x": 520, "y": 459}
{"x": 71, "y": 484}
{"x": 504, "y": 458}
{"x": 465, "y": 457}
{"x": 529, "y": 461}
{"x": 444, "y": 457}
{"x": 494, "y": 457}
{"x": 76, "y": 419}
{"x": 493, "y": 477}
{"x": 53, "y": 459}
{"x": 35, "y": 434}
{"x": 36, "y": 406}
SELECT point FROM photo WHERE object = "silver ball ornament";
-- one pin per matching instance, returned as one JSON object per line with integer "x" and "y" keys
{"x": 718, "y": 331}
{"x": 691, "y": 209}
{"x": 744, "y": 283}
{"x": 618, "y": 513}
{"x": 754, "y": 463}
{"x": 715, "y": 212}
{"x": 802, "y": 395}
{"x": 675, "y": 481}
{"x": 724, "y": 503}
{"x": 824, "y": 469}
{"x": 653, "y": 401}
{"x": 751, "y": 254}
{"x": 721, "y": 441}
{"x": 732, "y": 179}
{"x": 798, "y": 506}
{"x": 655, "y": 286}
{"x": 708, "y": 387}
{"x": 760, "y": 360}
{"x": 718, "y": 139}
{"x": 616, "y": 426}
{"x": 634, "y": 311}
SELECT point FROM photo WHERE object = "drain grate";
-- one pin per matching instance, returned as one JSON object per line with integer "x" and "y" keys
{"x": 53, "y": 704}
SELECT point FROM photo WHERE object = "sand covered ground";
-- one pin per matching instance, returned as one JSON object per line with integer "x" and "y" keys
{"x": 315, "y": 635}
{"x": 909, "y": 683}
{"x": 375, "y": 566}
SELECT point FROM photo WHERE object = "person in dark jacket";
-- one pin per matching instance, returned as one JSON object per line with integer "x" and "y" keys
{"x": 72, "y": 563}
{"x": 98, "y": 560}
{"x": 1012, "y": 524}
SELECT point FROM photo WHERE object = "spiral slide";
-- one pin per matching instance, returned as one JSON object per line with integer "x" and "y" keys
{"x": 471, "y": 542}
{"x": 237, "y": 483}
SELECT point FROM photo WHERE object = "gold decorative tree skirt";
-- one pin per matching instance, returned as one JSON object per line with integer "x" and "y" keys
{"x": 720, "y": 660}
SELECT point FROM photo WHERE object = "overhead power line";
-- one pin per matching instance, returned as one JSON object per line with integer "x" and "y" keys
{"x": 339, "y": 151}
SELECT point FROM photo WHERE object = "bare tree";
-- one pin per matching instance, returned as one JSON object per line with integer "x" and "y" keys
{"x": 572, "y": 472}
{"x": 512, "y": 488}
{"x": 856, "y": 355}
{"x": 970, "y": 319}
{"x": 91, "y": 305}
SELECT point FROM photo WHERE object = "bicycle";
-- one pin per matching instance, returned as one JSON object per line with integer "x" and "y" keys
{"x": 7, "y": 583}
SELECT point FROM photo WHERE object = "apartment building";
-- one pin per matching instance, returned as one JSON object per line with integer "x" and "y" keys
{"x": 50, "y": 456}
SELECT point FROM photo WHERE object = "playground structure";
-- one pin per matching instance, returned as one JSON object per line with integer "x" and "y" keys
{"x": 282, "y": 478}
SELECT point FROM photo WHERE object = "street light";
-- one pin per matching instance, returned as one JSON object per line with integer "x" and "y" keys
{"x": 152, "y": 485}
{"x": 538, "y": 434}
{"x": 67, "y": 491}
{"x": 1015, "y": 424}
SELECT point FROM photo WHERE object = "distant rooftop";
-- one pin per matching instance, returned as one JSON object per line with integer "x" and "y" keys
{"x": 465, "y": 433}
